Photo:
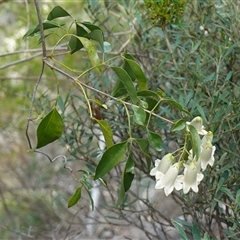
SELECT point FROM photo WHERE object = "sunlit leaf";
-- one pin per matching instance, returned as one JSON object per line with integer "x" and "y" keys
{"x": 127, "y": 82}
{"x": 155, "y": 140}
{"x": 91, "y": 50}
{"x": 75, "y": 197}
{"x": 139, "y": 115}
{"x": 57, "y": 12}
{"x": 179, "y": 125}
{"x": 111, "y": 157}
{"x": 107, "y": 132}
{"x": 49, "y": 129}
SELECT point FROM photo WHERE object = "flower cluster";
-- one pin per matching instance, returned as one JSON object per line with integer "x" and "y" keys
{"x": 185, "y": 174}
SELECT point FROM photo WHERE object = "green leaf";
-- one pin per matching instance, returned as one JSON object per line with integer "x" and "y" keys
{"x": 75, "y": 197}
{"x": 143, "y": 145}
{"x": 74, "y": 43}
{"x": 46, "y": 25}
{"x": 57, "y": 12}
{"x": 195, "y": 140}
{"x": 155, "y": 140}
{"x": 127, "y": 82}
{"x": 111, "y": 157}
{"x": 179, "y": 125}
{"x": 96, "y": 35}
{"x": 127, "y": 178}
{"x": 195, "y": 232}
{"x": 139, "y": 116}
{"x": 107, "y": 132}
{"x": 49, "y": 129}
{"x": 177, "y": 105}
{"x": 92, "y": 52}
{"x": 180, "y": 229}
{"x": 138, "y": 72}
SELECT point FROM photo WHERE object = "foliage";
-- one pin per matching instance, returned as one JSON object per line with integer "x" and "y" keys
{"x": 134, "y": 103}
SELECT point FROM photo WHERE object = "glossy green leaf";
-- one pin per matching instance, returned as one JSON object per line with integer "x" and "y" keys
{"x": 91, "y": 50}
{"x": 195, "y": 140}
{"x": 127, "y": 178}
{"x": 90, "y": 26}
{"x": 96, "y": 35}
{"x": 179, "y": 125}
{"x": 75, "y": 197}
{"x": 143, "y": 145}
{"x": 127, "y": 82}
{"x": 138, "y": 72}
{"x": 111, "y": 157}
{"x": 46, "y": 25}
{"x": 139, "y": 115}
{"x": 107, "y": 132}
{"x": 155, "y": 140}
{"x": 49, "y": 129}
{"x": 57, "y": 12}
{"x": 74, "y": 43}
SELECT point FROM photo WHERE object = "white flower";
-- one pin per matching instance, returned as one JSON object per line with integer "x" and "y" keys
{"x": 192, "y": 177}
{"x": 162, "y": 165}
{"x": 206, "y": 156}
{"x": 201, "y": 27}
{"x": 198, "y": 124}
{"x": 169, "y": 180}
{"x": 207, "y": 138}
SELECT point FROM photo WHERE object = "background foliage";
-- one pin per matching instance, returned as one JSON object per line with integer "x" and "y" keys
{"x": 193, "y": 62}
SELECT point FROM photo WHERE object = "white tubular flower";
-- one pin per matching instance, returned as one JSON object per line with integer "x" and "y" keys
{"x": 207, "y": 138}
{"x": 162, "y": 165}
{"x": 206, "y": 156}
{"x": 169, "y": 180}
{"x": 198, "y": 124}
{"x": 192, "y": 177}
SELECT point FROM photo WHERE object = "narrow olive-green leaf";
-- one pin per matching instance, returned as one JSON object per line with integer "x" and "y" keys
{"x": 107, "y": 132}
{"x": 195, "y": 140}
{"x": 148, "y": 93}
{"x": 46, "y": 25}
{"x": 91, "y": 50}
{"x": 96, "y": 35}
{"x": 127, "y": 82}
{"x": 75, "y": 197}
{"x": 57, "y": 12}
{"x": 142, "y": 80}
{"x": 49, "y": 129}
{"x": 111, "y": 157}
{"x": 179, "y": 125}
{"x": 139, "y": 115}
{"x": 155, "y": 140}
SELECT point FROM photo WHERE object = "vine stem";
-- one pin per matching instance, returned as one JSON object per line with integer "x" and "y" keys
{"x": 76, "y": 79}
{"x": 44, "y": 53}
